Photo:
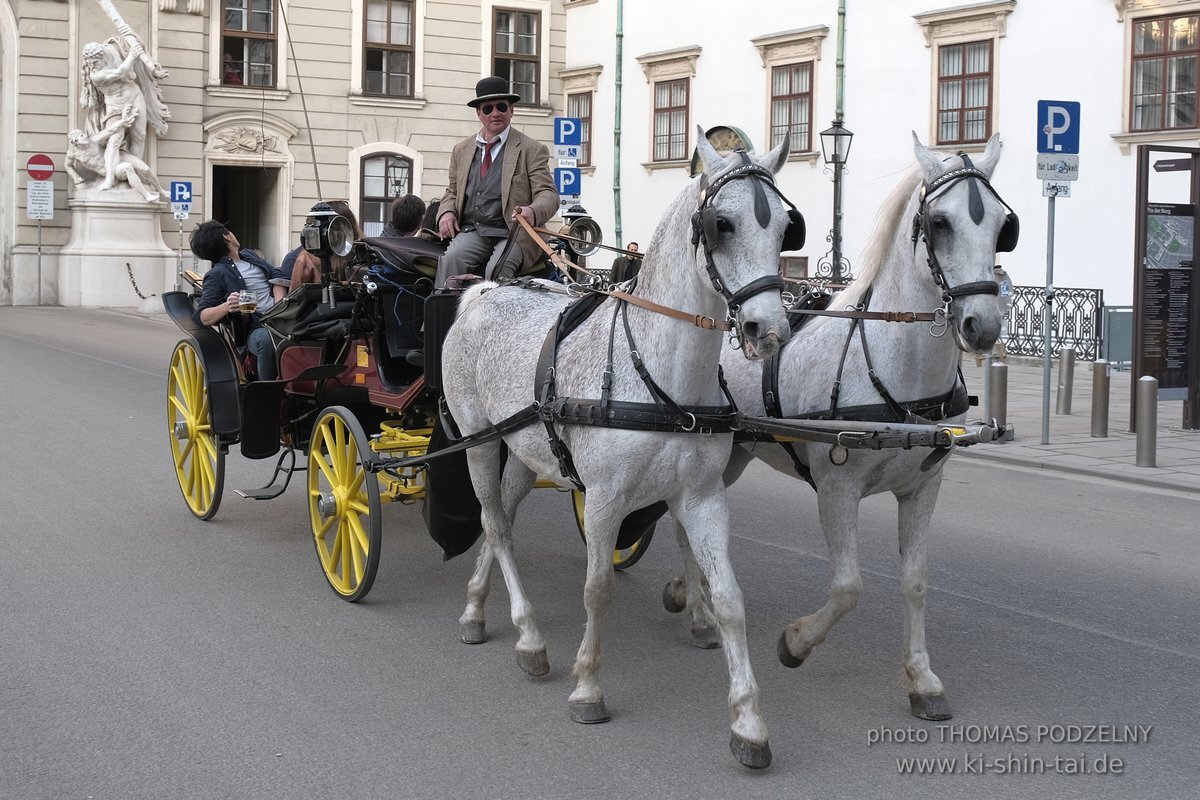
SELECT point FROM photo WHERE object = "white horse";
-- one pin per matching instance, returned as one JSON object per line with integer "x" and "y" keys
{"x": 943, "y": 219}
{"x": 719, "y": 239}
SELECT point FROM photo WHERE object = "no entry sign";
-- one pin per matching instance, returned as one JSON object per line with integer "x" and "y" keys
{"x": 40, "y": 167}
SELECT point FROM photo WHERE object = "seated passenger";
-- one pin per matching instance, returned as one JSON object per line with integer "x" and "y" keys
{"x": 235, "y": 270}
{"x": 308, "y": 267}
{"x": 407, "y": 212}
{"x": 495, "y": 174}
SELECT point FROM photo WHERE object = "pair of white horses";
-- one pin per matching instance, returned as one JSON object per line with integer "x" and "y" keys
{"x": 722, "y": 234}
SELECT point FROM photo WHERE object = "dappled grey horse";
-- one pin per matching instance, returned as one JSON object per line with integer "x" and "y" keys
{"x": 934, "y": 249}
{"x": 714, "y": 255}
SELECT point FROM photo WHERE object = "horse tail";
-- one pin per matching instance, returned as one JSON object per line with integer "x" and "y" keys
{"x": 473, "y": 294}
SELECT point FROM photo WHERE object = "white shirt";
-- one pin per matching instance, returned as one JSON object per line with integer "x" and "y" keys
{"x": 497, "y": 143}
{"x": 256, "y": 282}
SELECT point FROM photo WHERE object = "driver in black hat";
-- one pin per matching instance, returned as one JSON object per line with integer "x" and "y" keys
{"x": 493, "y": 174}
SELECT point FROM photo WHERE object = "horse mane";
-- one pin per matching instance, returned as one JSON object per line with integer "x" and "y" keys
{"x": 888, "y": 220}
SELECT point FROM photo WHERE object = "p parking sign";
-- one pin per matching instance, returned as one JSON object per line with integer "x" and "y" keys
{"x": 568, "y": 130}
{"x": 1058, "y": 127}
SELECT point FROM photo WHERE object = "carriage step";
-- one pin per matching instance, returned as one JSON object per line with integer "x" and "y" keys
{"x": 273, "y": 490}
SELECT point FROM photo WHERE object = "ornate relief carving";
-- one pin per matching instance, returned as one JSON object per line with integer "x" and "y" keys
{"x": 1157, "y": 6}
{"x": 245, "y": 140}
{"x": 670, "y": 64}
{"x": 193, "y": 6}
{"x": 581, "y": 79}
{"x": 982, "y": 20}
{"x": 799, "y": 45}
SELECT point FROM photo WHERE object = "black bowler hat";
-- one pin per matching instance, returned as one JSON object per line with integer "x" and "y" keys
{"x": 490, "y": 89}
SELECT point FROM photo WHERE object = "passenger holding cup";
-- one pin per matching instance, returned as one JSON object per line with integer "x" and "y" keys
{"x": 237, "y": 273}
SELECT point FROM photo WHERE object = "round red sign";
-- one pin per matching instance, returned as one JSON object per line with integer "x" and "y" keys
{"x": 40, "y": 167}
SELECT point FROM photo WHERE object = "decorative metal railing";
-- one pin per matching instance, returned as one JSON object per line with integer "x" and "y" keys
{"x": 1076, "y": 321}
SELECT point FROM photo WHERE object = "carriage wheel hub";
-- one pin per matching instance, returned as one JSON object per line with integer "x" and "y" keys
{"x": 182, "y": 430}
{"x": 327, "y": 505}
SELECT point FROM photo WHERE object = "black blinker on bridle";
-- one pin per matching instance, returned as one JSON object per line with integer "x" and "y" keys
{"x": 704, "y": 228}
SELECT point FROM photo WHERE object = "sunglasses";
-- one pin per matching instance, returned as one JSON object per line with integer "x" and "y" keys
{"x": 487, "y": 108}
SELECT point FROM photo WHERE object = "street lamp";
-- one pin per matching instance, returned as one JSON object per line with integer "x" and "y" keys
{"x": 835, "y": 149}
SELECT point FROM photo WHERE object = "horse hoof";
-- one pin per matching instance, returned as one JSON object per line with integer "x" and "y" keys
{"x": 706, "y": 638}
{"x": 472, "y": 633}
{"x": 749, "y": 754}
{"x": 589, "y": 713}
{"x": 535, "y": 664}
{"x": 785, "y": 655}
{"x": 670, "y": 603}
{"x": 929, "y": 706}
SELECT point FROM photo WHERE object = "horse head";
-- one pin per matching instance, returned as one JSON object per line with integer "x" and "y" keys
{"x": 739, "y": 228}
{"x": 963, "y": 223}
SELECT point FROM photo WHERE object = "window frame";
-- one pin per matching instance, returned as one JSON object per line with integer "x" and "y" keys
{"x": 355, "y": 169}
{"x": 669, "y": 66}
{"x": 791, "y": 48}
{"x": 388, "y": 48}
{"x": 515, "y": 57}
{"x": 774, "y": 135}
{"x": 585, "y": 124}
{"x": 961, "y": 25}
{"x": 249, "y": 35}
{"x": 668, "y": 111}
{"x": 385, "y": 200}
{"x": 542, "y": 106}
{"x": 1163, "y": 56}
{"x": 964, "y": 77}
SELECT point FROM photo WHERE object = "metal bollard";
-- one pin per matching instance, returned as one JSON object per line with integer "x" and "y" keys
{"x": 1147, "y": 421}
{"x": 1100, "y": 378}
{"x": 1066, "y": 380}
{"x": 998, "y": 393}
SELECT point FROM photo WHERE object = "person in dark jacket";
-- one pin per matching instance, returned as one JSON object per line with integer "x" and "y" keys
{"x": 235, "y": 270}
{"x": 407, "y": 213}
{"x": 625, "y": 267}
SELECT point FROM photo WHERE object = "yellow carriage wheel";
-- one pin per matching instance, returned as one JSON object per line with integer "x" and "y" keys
{"x": 343, "y": 504}
{"x": 195, "y": 451}
{"x": 623, "y": 557}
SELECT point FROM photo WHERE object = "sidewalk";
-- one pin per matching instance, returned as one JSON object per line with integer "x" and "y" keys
{"x": 1071, "y": 447}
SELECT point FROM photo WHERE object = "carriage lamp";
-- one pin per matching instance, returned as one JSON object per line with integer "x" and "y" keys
{"x": 835, "y": 149}
{"x": 327, "y": 233}
{"x": 581, "y": 226}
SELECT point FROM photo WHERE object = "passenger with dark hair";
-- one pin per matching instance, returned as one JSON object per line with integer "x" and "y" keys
{"x": 235, "y": 270}
{"x": 407, "y": 213}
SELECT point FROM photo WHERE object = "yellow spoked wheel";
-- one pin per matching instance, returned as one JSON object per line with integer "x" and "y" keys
{"x": 195, "y": 451}
{"x": 343, "y": 504}
{"x": 623, "y": 557}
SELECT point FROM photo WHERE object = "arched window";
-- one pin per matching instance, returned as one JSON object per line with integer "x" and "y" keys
{"x": 384, "y": 177}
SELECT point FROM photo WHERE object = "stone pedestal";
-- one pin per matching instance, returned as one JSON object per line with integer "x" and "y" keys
{"x": 110, "y": 229}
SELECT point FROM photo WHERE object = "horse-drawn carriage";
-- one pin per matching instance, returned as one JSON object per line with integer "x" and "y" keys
{"x": 599, "y": 388}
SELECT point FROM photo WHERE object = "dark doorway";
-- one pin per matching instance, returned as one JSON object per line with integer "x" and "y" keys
{"x": 241, "y": 199}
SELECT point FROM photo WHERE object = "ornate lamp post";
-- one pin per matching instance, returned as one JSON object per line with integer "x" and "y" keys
{"x": 835, "y": 148}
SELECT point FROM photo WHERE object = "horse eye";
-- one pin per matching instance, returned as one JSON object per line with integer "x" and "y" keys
{"x": 940, "y": 223}
{"x": 724, "y": 225}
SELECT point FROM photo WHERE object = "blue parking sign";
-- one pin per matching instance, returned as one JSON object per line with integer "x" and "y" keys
{"x": 567, "y": 180}
{"x": 1058, "y": 127}
{"x": 181, "y": 191}
{"x": 568, "y": 130}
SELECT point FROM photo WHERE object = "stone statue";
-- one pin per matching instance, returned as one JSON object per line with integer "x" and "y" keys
{"x": 89, "y": 154}
{"x": 122, "y": 98}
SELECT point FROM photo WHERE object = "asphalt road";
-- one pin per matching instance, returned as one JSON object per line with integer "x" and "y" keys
{"x": 146, "y": 654}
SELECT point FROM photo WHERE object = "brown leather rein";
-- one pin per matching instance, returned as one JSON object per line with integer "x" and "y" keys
{"x": 699, "y": 320}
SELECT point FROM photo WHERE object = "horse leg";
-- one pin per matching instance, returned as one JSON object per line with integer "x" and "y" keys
{"x": 499, "y": 496}
{"x": 837, "y": 503}
{"x": 471, "y": 623}
{"x": 705, "y": 516}
{"x": 688, "y": 592}
{"x": 926, "y": 696}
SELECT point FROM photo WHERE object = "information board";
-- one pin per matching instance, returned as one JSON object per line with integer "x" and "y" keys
{"x": 1166, "y": 295}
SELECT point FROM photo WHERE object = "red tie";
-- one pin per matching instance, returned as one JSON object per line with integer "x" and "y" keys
{"x": 487, "y": 159}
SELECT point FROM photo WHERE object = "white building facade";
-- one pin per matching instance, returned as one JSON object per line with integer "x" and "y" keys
{"x": 952, "y": 74}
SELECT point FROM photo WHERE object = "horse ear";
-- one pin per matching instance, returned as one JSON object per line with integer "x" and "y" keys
{"x": 775, "y": 159}
{"x": 708, "y": 154}
{"x": 929, "y": 161}
{"x": 991, "y": 154}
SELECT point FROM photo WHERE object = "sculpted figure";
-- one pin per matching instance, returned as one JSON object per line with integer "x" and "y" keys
{"x": 118, "y": 76}
{"x": 89, "y": 154}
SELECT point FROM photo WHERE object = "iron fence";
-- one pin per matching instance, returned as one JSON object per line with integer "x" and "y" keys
{"x": 1076, "y": 321}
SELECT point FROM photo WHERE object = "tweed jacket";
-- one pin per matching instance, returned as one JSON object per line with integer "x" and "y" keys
{"x": 525, "y": 181}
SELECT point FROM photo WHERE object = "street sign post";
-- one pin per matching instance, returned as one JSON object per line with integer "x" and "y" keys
{"x": 568, "y": 146}
{"x": 181, "y": 207}
{"x": 1057, "y": 161}
{"x": 39, "y": 201}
